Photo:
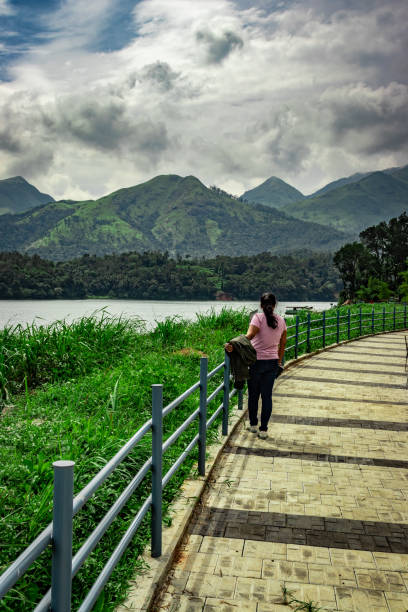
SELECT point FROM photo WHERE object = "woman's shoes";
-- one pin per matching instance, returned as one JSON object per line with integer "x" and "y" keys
{"x": 254, "y": 429}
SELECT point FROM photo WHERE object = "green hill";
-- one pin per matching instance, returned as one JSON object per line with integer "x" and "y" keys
{"x": 339, "y": 183}
{"x": 17, "y": 196}
{"x": 167, "y": 213}
{"x": 400, "y": 173}
{"x": 355, "y": 206}
{"x": 273, "y": 192}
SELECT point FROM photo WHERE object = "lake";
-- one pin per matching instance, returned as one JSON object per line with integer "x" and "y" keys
{"x": 43, "y": 312}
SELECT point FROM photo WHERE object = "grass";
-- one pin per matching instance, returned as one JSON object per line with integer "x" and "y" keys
{"x": 79, "y": 391}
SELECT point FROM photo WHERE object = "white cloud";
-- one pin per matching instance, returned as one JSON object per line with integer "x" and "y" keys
{"x": 5, "y": 8}
{"x": 230, "y": 92}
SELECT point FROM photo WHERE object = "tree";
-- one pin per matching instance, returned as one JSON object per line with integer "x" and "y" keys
{"x": 376, "y": 291}
{"x": 403, "y": 288}
{"x": 388, "y": 243}
{"x": 355, "y": 264}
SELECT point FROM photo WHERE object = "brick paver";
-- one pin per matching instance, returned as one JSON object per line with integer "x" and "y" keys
{"x": 321, "y": 506}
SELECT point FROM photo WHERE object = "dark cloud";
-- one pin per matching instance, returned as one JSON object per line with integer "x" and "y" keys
{"x": 9, "y": 142}
{"x": 219, "y": 47}
{"x": 107, "y": 126}
{"x": 161, "y": 75}
{"x": 33, "y": 162}
{"x": 100, "y": 124}
{"x": 373, "y": 120}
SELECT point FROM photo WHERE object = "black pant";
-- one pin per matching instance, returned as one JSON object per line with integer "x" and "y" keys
{"x": 262, "y": 376}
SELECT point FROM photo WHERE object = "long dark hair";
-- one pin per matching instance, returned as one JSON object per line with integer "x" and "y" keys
{"x": 268, "y": 303}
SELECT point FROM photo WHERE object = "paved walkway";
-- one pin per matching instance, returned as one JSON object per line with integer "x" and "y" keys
{"x": 321, "y": 506}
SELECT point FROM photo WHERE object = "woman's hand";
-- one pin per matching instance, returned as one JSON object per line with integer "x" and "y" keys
{"x": 228, "y": 347}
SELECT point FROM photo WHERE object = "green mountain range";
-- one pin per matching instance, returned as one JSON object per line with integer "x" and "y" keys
{"x": 17, "y": 196}
{"x": 357, "y": 205}
{"x": 273, "y": 192}
{"x": 349, "y": 204}
{"x": 168, "y": 213}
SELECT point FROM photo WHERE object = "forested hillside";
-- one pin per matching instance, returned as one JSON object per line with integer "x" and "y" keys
{"x": 273, "y": 192}
{"x": 153, "y": 275}
{"x": 17, "y": 196}
{"x": 167, "y": 213}
{"x": 359, "y": 204}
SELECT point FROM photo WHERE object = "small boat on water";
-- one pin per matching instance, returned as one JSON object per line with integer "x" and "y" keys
{"x": 292, "y": 310}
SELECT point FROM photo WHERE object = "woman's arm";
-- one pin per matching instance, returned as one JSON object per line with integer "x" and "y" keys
{"x": 282, "y": 344}
{"x": 251, "y": 333}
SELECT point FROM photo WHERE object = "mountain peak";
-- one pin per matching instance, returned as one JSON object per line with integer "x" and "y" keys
{"x": 273, "y": 192}
{"x": 18, "y": 195}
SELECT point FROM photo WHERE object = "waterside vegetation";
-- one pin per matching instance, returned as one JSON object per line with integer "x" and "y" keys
{"x": 79, "y": 391}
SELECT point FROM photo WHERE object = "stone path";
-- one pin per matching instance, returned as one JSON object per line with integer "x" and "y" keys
{"x": 321, "y": 506}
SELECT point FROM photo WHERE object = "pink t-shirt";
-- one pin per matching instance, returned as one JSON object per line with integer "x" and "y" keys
{"x": 266, "y": 341}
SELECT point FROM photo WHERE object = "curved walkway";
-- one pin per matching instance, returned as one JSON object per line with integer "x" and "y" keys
{"x": 321, "y": 506}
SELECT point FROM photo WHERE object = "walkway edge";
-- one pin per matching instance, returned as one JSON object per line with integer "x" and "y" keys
{"x": 145, "y": 587}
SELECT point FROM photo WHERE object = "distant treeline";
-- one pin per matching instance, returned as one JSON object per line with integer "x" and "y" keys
{"x": 157, "y": 276}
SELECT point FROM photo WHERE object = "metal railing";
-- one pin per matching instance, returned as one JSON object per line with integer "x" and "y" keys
{"x": 308, "y": 334}
{"x": 58, "y": 534}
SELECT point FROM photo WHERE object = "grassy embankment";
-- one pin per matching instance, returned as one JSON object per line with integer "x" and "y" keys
{"x": 79, "y": 392}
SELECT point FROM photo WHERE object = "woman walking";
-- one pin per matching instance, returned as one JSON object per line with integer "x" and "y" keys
{"x": 267, "y": 333}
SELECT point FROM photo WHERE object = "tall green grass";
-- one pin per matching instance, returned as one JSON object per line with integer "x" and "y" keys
{"x": 79, "y": 392}
{"x": 32, "y": 355}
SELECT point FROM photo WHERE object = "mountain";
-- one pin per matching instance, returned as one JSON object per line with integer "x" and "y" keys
{"x": 352, "y": 207}
{"x": 400, "y": 173}
{"x": 273, "y": 192}
{"x": 17, "y": 196}
{"x": 339, "y": 183}
{"x": 168, "y": 213}
{"x": 354, "y": 178}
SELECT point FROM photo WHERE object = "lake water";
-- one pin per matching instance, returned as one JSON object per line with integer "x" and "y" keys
{"x": 43, "y": 312}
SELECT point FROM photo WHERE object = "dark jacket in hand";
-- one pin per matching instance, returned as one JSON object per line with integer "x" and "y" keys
{"x": 241, "y": 357}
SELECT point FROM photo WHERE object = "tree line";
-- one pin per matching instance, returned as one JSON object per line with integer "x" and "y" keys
{"x": 376, "y": 268}
{"x": 157, "y": 276}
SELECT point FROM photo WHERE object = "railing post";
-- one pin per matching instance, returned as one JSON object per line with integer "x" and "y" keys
{"x": 394, "y": 317}
{"x": 348, "y": 324}
{"x": 372, "y": 320}
{"x": 296, "y": 336}
{"x": 405, "y": 315}
{"x": 361, "y": 322}
{"x": 324, "y": 328}
{"x": 383, "y": 318}
{"x": 338, "y": 327}
{"x": 157, "y": 468}
{"x": 62, "y": 536}
{"x": 202, "y": 422}
{"x": 308, "y": 333}
{"x": 225, "y": 402}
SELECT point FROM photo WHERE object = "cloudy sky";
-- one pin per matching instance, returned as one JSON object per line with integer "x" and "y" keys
{"x": 105, "y": 94}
